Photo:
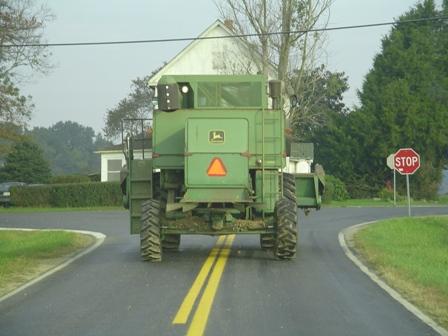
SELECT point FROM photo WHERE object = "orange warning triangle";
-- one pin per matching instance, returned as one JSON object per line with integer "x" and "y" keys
{"x": 216, "y": 168}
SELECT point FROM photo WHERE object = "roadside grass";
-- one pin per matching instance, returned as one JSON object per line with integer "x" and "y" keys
{"x": 32, "y": 209}
{"x": 411, "y": 254}
{"x": 25, "y": 254}
{"x": 376, "y": 202}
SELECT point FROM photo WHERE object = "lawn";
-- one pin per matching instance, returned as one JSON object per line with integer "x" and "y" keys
{"x": 411, "y": 254}
{"x": 25, "y": 254}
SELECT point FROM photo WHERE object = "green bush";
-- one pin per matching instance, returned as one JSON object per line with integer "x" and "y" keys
{"x": 31, "y": 196}
{"x": 388, "y": 195}
{"x": 64, "y": 179}
{"x": 335, "y": 190}
{"x": 68, "y": 195}
{"x": 361, "y": 187}
{"x": 327, "y": 196}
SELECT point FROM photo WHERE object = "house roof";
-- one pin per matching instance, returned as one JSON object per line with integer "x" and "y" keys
{"x": 206, "y": 33}
{"x": 113, "y": 148}
{"x": 119, "y": 148}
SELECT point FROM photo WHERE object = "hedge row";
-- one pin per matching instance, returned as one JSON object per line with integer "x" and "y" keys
{"x": 68, "y": 195}
{"x": 63, "y": 179}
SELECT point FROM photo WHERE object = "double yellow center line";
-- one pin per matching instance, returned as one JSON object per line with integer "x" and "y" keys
{"x": 220, "y": 254}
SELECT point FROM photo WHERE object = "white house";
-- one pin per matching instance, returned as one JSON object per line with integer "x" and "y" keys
{"x": 207, "y": 56}
{"x": 201, "y": 57}
{"x": 112, "y": 159}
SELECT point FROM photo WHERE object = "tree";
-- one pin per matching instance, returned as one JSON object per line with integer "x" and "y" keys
{"x": 10, "y": 135}
{"x": 320, "y": 102}
{"x": 404, "y": 102}
{"x": 26, "y": 164}
{"x": 70, "y": 147}
{"x": 21, "y": 23}
{"x": 138, "y": 104}
{"x": 293, "y": 54}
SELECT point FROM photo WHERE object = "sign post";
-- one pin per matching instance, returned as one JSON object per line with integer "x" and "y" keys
{"x": 408, "y": 194}
{"x": 407, "y": 161}
{"x": 391, "y": 165}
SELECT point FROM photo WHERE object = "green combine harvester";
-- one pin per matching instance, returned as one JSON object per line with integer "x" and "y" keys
{"x": 212, "y": 164}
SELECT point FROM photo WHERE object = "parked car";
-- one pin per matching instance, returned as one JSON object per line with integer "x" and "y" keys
{"x": 5, "y": 192}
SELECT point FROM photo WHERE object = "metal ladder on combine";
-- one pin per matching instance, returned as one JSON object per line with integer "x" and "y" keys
{"x": 140, "y": 172}
{"x": 275, "y": 140}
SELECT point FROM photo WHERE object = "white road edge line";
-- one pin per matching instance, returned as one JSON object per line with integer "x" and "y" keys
{"x": 392, "y": 292}
{"x": 99, "y": 239}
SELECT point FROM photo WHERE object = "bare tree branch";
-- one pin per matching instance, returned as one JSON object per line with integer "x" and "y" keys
{"x": 20, "y": 23}
{"x": 294, "y": 55}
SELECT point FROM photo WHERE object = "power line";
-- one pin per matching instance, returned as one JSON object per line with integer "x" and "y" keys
{"x": 181, "y": 39}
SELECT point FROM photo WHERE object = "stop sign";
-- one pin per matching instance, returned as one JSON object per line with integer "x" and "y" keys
{"x": 406, "y": 161}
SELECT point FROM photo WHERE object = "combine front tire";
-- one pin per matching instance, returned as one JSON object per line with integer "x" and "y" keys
{"x": 171, "y": 242}
{"x": 150, "y": 243}
{"x": 286, "y": 224}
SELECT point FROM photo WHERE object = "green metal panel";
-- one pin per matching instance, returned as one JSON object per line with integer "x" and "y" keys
{"x": 169, "y": 135}
{"x": 231, "y": 135}
{"x": 197, "y": 165}
{"x": 309, "y": 190}
{"x": 140, "y": 189}
{"x": 271, "y": 189}
{"x": 224, "y": 195}
{"x": 208, "y": 139}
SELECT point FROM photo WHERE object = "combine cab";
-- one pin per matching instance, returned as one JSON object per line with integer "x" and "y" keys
{"x": 213, "y": 164}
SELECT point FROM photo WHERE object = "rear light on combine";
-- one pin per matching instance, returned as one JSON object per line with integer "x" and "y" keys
{"x": 216, "y": 168}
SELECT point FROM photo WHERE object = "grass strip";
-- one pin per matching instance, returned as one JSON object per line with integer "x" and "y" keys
{"x": 26, "y": 254}
{"x": 372, "y": 202}
{"x": 33, "y": 209}
{"x": 411, "y": 254}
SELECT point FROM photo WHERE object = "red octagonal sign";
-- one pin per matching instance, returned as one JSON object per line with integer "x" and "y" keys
{"x": 406, "y": 161}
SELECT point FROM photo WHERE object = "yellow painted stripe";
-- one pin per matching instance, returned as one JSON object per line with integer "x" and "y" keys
{"x": 187, "y": 305}
{"x": 200, "y": 318}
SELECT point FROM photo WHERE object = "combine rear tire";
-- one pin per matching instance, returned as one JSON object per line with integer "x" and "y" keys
{"x": 286, "y": 224}
{"x": 150, "y": 243}
{"x": 171, "y": 242}
{"x": 267, "y": 241}
{"x": 289, "y": 187}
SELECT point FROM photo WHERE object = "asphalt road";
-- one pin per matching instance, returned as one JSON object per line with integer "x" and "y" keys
{"x": 111, "y": 292}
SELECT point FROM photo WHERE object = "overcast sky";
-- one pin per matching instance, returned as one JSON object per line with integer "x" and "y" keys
{"x": 88, "y": 80}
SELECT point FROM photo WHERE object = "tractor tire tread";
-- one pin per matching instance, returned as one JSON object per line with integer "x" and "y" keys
{"x": 150, "y": 243}
{"x": 286, "y": 222}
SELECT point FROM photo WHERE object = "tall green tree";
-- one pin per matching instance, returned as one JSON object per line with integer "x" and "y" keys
{"x": 319, "y": 103}
{"x": 138, "y": 104}
{"x": 26, "y": 164}
{"x": 404, "y": 102}
{"x": 70, "y": 147}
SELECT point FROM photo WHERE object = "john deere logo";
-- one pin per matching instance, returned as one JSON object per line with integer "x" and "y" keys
{"x": 216, "y": 136}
